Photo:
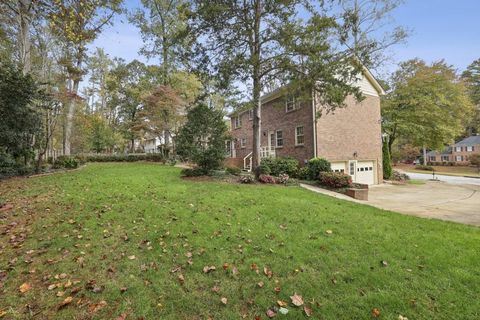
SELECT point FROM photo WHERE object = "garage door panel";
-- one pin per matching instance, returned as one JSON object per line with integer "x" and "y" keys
{"x": 365, "y": 173}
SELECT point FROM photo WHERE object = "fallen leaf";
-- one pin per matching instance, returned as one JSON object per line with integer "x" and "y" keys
{"x": 384, "y": 263}
{"x": 224, "y": 300}
{"x": 329, "y": 232}
{"x": 282, "y": 303}
{"x": 65, "y": 302}
{"x": 267, "y": 272}
{"x": 216, "y": 289}
{"x": 375, "y": 312}
{"x": 60, "y": 293}
{"x": 277, "y": 289}
{"x": 308, "y": 311}
{"x": 297, "y": 300}
{"x": 52, "y": 286}
{"x": 283, "y": 310}
{"x": 270, "y": 313}
{"x": 132, "y": 257}
{"x": 123, "y": 316}
{"x": 400, "y": 317}
{"x": 94, "y": 307}
{"x": 260, "y": 284}
{"x": 123, "y": 289}
{"x": 234, "y": 270}
{"x": 3, "y": 313}
{"x": 181, "y": 278}
{"x": 25, "y": 287}
{"x": 208, "y": 269}
{"x": 225, "y": 266}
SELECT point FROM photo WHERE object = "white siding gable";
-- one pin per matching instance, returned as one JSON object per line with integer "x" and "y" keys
{"x": 365, "y": 86}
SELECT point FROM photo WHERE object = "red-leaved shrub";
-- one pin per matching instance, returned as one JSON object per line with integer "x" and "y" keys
{"x": 334, "y": 179}
{"x": 265, "y": 178}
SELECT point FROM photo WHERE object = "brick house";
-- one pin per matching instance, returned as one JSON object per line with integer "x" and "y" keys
{"x": 457, "y": 153}
{"x": 350, "y": 138}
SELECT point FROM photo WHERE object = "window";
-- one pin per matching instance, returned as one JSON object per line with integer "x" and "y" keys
{"x": 444, "y": 158}
{"x": 250, "y": 114}
{"x": 237, "y": 122}
{"x": 243, "y": 143}
{"x": 290, "y": 104}
{"x": 432, "y": 158}
{"x": 469, "y": 148}
{"x": 299, "y": 136}
{"x": 279, "y": 137}
{"x": 459, "y": 158}
{"x": 352, "y": 168}
{"x": 228, "y": 148}
{"x": 458, "y": 149}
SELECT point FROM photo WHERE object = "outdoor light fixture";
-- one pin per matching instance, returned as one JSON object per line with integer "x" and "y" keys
{"x": 355, "y": 154}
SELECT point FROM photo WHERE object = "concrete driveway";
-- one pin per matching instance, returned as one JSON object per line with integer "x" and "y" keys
{"x": 439, "y": 200}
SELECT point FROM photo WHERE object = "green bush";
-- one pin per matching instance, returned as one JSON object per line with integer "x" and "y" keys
{"x": 234, "y": 171}
{"x": 282, "y": 165}
{"x": 303, "y": 173}
{"x": 132, "y": 157}
{"x": 261, "y": 169}
{"x": 194, "y": 172}
{"x": 387, "y": 162}
{"x": 317, "y": 165}
{"x": 67, "y": 162}
{"x": 422, "y": 167}
{"x": 334, "y": 179}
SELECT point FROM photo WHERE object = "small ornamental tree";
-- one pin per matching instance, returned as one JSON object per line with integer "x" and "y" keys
{"x": 202, "y": 138}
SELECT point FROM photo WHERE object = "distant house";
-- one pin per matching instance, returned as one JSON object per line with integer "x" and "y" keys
{"x": 350, "y": 138}
{"x": 457, "y": 153}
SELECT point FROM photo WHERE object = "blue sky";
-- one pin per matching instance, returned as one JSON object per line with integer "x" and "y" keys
{"x": 441, "y": 29}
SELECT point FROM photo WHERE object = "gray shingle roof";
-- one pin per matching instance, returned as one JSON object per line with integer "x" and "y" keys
{"x": 470, "y": 141}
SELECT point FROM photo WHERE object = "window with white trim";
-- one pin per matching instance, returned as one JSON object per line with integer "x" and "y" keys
{"x": 237, "y": 122}
{"x": 458, "y": 149}
{"x": 432, "y": 158}
{"x": 243, "y": 143}
{"x": 444, "y": 158}
{"x": 290, "y": 103}
{"x": 469, "y": 148}
{"x": 458, "y": 158}
{"x": 299, "y": 136}
{"x": 352, "y": 168}
{"x": 250, "y": 114}
{"x": 279, "y": 138}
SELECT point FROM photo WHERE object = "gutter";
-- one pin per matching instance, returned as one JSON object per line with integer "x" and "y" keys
{"x": 314, "y": 121}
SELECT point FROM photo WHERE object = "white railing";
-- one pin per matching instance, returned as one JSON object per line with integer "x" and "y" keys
{"x": 248, "y": 158}
{"x": 267, "y": 152}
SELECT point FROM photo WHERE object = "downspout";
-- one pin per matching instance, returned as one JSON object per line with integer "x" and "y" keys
{"x": 314, "y": 121}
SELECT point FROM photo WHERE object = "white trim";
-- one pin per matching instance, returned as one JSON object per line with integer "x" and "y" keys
{"x": 314, "y": 123}
{"x": 293, "y": 101}
{"x": 276, "y": 139}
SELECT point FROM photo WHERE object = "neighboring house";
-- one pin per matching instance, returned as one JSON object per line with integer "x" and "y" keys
{"x": 152, "y": 144}
{"x": 458, "y": 153}
{"x": 350, "y": 138}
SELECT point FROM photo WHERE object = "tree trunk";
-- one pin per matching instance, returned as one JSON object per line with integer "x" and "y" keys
{"x": 257, "y": 88}
{"x": 424, "y": 156}
{"x": 71, "y": 106}
{"x": 24, "y": 7}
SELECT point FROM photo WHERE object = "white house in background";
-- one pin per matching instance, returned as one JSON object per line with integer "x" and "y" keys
{"x": 152, "y": 145}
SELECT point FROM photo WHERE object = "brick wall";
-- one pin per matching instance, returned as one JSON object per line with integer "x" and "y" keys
{"x": 464, "y": 153}
{"x": 353, "y": 129}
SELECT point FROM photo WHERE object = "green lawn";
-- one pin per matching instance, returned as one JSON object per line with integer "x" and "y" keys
{"x": 134, "y": 226}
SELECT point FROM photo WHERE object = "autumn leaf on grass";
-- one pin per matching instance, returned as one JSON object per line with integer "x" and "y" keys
{"x": 181, "y": 278}
{"x": 260, "y": 284}
{"x": 235, "y": 270}
{"x": 216, "y": 289}
{"x": 123, "y": 316}
{"x": 65, "y": 302}
{"x": 226, "y": 266}
{"x": 277, "y": 289}
{"x": 94, "y": 307}
{"x": 270, "y": 313}
{"x": 224, "y": 300}
{"x": 308, "y": 311}
{"x": 297, "y": 300}
{"x": 375, "y": 312}
{"x": 328, "y": 231}
{"x": 2, "y": 313}
{"x": 25, "y": 287}
{"x": 267, "y": 272}
{"x": 282, "y": 303}
{"x": 208, "y": 269}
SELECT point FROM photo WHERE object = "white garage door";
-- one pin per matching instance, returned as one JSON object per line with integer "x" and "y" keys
{"x": 365, "y": 173}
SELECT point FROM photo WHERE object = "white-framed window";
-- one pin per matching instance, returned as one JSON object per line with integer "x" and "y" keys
{"x": 237, "y": 122}
{"x": 469, "y": 148}
{"x": 228, "y": 148}
{"x": 444, "y": 158}
{"x": 458, "y": 149}
{"x": 250, "y": 114}
{"x": 290, "y": 103}
{"x": 351, "y": 167}
{"x": 243, "y": 143}
{"x": 432, "y": 158}
{"x": 279, "y": 138}
{"x": 458, "y": 158}
{"x": 299, "y": 136}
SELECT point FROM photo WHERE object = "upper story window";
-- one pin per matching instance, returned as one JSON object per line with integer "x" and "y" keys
{"x": 237, "y": 122}
{"x": 458, "y": 149}
{"x": 470, "y": 148}
{"x": 279, "y": 138}
{"x": 250, "y": 114}
{"x": 299, "y": 136}
{"x": 290, "y": 103}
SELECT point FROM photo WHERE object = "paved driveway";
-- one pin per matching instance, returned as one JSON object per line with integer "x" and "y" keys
{"x": 449, "y": 179}
{"x": 440, "y": 200}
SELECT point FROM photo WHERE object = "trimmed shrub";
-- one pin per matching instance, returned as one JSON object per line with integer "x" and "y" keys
{"x": 387, "y": 162}
{"x": 397, "y": 176}
{"x": 303, "y": 173}
{"x": 67, "y": 162}
{"x": 261, "y": 169}
{"x": 422, "y": 167}
{"x": 234, "y": 171}
{"x": 317, "y": 165}
{"x": 282, "y": 165}
{"x": 132, "y": 157}
{"x": 265, "y": 178}
{"x": 247, "y": 179}
{"x": 334, "y": 179}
